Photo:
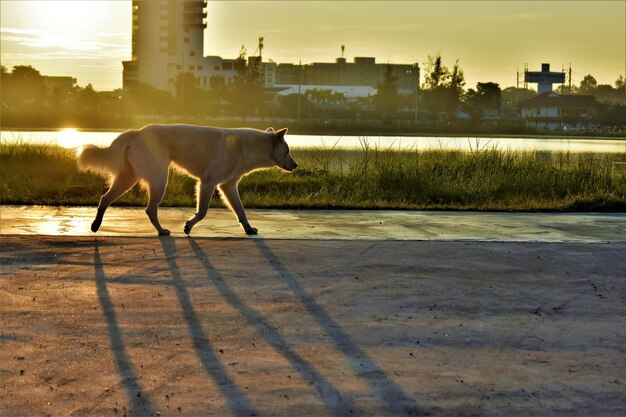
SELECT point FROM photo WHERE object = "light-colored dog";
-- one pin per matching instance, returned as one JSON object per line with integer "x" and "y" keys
{"x": 216, "y": 157}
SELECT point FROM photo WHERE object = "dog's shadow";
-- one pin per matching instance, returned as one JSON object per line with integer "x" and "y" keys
{"x": 138, "y": 399}
{"x": 237, "y": 400}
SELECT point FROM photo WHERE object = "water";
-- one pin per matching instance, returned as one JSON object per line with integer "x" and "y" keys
{"x": 70, "y": 138}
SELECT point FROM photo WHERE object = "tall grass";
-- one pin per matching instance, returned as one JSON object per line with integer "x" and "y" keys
{"x": 481, "y": 179}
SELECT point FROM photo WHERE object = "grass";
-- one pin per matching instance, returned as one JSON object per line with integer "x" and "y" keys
{"x": 482, "y": 179}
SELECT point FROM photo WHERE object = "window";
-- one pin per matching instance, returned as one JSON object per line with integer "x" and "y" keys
{"x": 186, "y": 40}
{"x": 192, "y": 53}
{"x": 199, "y": 67}
{"x": 192, "y": 67}
{"x": 217, "y": 68}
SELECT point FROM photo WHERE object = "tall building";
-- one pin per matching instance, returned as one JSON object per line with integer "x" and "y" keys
{"x": 168, "y": 39}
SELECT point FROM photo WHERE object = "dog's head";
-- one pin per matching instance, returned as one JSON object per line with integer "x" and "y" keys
{"x": 280, "y": 150}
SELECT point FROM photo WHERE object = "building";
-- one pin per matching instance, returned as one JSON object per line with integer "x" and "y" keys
{"x": 168, "y": 39}
{"x": 354, "y": 79}
{"x": 544, "y": 78}
{"x": 550, "y": 111}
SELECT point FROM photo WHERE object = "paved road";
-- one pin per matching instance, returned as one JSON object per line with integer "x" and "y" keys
{"x": 332, "y": 224}
{"x": 323, "y": 314}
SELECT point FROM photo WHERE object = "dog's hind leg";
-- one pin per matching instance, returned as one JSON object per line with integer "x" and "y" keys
{"x": 122, "y": 182}
{"x": 156, "y": 191}
{"x": 231, "y": 194}
{"x": 205, "y": 192}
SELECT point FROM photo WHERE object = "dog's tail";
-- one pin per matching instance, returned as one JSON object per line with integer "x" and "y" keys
{"x": 110, "y": 160}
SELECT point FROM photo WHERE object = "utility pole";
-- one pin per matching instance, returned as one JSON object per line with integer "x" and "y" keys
{"x": 517, "y": 88}
{"x": 525, "y": 81}
{"x": 299, "y": 86}
{"x": 570, "y": 78}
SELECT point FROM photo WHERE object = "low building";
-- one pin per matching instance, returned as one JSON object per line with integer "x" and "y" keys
{"x": 353, "y": 79}
{"x": 550, "y": 111}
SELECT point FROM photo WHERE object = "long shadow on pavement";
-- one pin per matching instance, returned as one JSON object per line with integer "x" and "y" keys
{"x": 138, "y": 400}
{"x": 334, "y": 401}
{"x": 392, "y": 396}
{"x": 237, "y": 400}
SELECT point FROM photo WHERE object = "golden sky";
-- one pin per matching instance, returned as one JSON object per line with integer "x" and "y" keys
{"x": 491, "y": 39}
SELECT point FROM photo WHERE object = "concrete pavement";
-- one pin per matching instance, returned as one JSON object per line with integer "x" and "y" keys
{"x": 324, "y": 225}
{"x": 325, "y": 313}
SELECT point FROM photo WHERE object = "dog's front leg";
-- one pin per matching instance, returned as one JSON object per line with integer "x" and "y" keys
{"x": 231, "y": 193}
{"x": 205, "y": 192}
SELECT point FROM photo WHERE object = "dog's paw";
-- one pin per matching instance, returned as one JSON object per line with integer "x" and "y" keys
{"x": 250, "y": 230}
{"x": 187, "y": 228}
{"x": 95, "y": 225}
{"x": 164, "y": 232}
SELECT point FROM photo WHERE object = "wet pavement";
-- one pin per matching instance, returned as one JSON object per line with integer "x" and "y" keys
{"x": 325, "y": 224}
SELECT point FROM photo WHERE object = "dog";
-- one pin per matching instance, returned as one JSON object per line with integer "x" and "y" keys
{"x": 216, "y": 157}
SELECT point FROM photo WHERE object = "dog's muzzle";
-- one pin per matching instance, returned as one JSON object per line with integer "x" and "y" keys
{"x": 290, "y": 167}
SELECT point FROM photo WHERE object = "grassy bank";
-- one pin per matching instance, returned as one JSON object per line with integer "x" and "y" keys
{"x": 367, "y": 178}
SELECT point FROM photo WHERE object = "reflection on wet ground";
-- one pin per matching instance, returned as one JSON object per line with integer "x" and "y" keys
{"x": 325, "y": 224}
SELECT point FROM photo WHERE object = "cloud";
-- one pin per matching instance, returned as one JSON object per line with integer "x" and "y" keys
{"x": 28, "y": 42}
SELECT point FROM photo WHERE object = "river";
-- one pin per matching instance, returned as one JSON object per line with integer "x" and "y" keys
{"x": 70, "y": 138}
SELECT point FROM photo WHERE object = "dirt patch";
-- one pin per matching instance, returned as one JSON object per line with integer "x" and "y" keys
{"x": 196, "y": 327}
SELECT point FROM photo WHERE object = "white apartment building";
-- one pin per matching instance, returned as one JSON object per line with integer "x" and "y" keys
{"x": 168, "y": 39}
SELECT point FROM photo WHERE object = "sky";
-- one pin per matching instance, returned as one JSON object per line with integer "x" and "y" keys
{"x": 492, "y": 40}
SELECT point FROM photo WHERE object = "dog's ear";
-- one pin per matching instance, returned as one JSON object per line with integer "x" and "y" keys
{"x": 270, "y": 129}
{"x": 279, "y": 137}
{"x": 280, "y": 134}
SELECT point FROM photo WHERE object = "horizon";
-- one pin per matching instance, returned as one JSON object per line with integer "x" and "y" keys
{"x": 89, "y": 40}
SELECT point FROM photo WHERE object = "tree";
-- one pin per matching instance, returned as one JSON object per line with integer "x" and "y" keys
{"x": 87, "y": 99}
{"x": 387, "y": 99}
{"x": 620, "y": 90}
{"x": 23, "y": 87}
{"x": 443, "y": 89}
{"x": 289, "y": 105}
{"x": 564, "y": 89}
{"x": 436, "y": 73}
{"x": 457, "y": 79}
{"x": 189, "y": 96}
{"x": 146, "y": 99}
{"x": 4, "y": 77}
{"x": 246, "y": 91}
{"x": 588, "y": 85}
{"x": 487, "y": 98}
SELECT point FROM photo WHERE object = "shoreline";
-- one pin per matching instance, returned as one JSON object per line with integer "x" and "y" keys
{"x": 354, "y": 132}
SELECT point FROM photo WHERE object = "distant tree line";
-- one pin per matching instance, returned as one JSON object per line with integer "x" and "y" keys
{"x": 441, "y": 101}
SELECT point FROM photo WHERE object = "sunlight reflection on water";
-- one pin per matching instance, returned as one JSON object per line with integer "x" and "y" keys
{"x": 72, "y": 138}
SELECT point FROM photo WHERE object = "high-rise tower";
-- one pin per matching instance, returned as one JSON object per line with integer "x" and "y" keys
{"x": 167, "y": 39}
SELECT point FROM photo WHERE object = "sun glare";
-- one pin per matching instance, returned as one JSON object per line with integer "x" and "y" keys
{"x": 69, "y": 16}
{"x": 69, "y": 138}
